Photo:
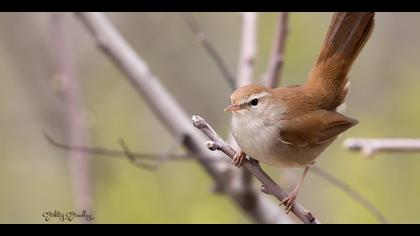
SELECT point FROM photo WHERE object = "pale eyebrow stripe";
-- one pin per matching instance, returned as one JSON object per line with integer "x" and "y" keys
{"x": 257, "y": 95}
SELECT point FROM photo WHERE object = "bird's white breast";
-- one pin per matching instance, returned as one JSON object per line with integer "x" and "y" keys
{"x": 261, "y": 140}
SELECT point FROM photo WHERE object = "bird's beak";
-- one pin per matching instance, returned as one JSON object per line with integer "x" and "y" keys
{"x": 233, "y": 107}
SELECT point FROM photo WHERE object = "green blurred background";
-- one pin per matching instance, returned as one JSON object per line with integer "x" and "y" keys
{"x": 34, "y": 176}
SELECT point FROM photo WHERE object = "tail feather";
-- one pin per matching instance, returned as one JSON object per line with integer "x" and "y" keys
{"x": 346, "y": 36}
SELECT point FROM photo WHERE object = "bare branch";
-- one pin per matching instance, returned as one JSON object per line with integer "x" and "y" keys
{"x": 163, "y": 157}
{"x": 112, "y": 152}
{"x": 78, "y": 162}
{"x": 209, "y": 48}
{"x": 271, "y": 187}
{"x": 275, "y": 65}
{"x": 247, "y": 49}
{"x": 171, "y": 114}
{"x": 369, "y": 147}
{"x": 347, "y": 189}
{"x": 135, "y": 161}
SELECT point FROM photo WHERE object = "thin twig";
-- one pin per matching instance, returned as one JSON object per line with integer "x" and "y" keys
{"x": 112, "y": 152}
{"x": 78, "y": 162}
{"x": 271, "y": 187}
{"x": 369, "y": 147}
{"x": 202, "y": 38}
{"x": 158, "y": 161}
{"x": 135, "y": 161}
{"x": 173, "y": 116}
{"x": 347, "y": 189}
{"x": 248, "y": 48}
{"x": 275, "y": 65}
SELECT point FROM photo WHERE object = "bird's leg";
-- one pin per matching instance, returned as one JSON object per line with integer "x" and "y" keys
{"x": 239, "y": 158}
{"x": 291, "y": 197}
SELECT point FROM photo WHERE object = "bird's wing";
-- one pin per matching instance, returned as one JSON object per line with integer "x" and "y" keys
{"x": 314, "y": 128}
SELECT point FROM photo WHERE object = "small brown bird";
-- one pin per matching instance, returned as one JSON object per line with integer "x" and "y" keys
{"x": 291, "y": 126}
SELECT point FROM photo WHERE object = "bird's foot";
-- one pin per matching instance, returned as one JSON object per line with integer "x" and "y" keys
{"x": 238, "y": 159}
{"x": 289, "y": 201}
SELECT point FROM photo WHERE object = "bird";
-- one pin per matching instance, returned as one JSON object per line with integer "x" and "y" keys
{"x": 291, "y": 126}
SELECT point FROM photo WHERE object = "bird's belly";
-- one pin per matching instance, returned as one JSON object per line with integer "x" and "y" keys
{"x": 262, "y": 143}
{"x": 289, "y": 156}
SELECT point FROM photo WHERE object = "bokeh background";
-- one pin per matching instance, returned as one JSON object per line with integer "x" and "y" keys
{"x": 35, "y": 176}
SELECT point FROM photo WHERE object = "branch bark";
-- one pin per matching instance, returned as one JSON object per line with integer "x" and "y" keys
{"x": 79, "y": 163}
{"x": 172, "y": 115}
{"x": 269, "y": 186}
{"x": 275, "y": 65}
{"x": 369, "y": 147}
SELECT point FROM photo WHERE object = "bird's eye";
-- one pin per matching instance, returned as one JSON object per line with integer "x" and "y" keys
{"x": 254, "y": 102}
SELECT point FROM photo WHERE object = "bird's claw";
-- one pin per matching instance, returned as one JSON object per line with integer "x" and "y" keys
{"x": 238, "y": 159}
{"x": 289, "y": 201}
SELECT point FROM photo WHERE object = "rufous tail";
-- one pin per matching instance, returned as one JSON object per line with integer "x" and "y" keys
{"x": 346, "y": 36}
